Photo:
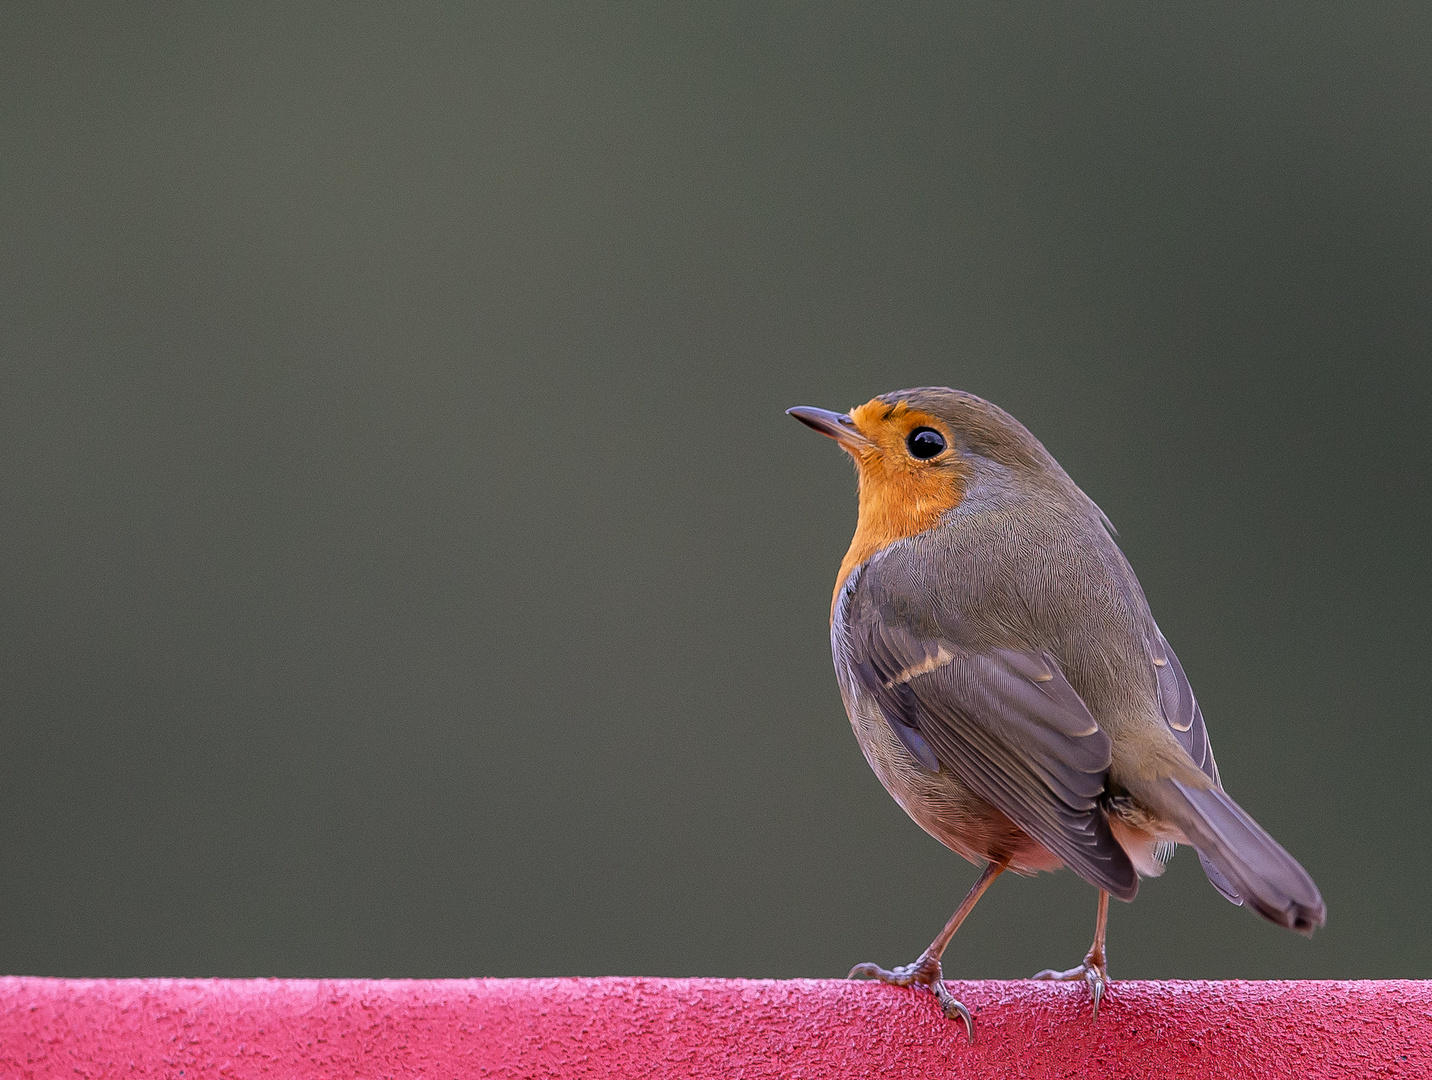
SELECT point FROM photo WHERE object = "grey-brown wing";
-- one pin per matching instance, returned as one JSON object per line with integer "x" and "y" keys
{"x": 1185, "y": 720}
{"x": 1009, "y": 725}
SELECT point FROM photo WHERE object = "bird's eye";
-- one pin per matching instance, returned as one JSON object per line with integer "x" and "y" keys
{"x": 925, "y": 442}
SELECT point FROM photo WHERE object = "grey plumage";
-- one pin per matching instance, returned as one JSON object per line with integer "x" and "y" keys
{"x": 1013, "y": 692}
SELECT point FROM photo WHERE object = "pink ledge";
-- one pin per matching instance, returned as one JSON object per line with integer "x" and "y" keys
{"x": 697, "y": 1028}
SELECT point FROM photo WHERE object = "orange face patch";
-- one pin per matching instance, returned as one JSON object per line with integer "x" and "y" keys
{"x": 900, "y": 495}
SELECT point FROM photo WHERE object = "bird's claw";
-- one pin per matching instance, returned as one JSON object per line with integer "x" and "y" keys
{"x": 1092, "y": 971}
{"x": 953, "y": 1007}
{"x": 925, "y": 971}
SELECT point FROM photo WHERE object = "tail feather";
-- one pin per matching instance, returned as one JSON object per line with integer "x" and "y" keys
{"x": 1252, "y": 865}
{"x": 1218, "y": 881}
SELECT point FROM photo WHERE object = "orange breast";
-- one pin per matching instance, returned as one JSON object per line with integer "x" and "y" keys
{"x": 899, "y": 496}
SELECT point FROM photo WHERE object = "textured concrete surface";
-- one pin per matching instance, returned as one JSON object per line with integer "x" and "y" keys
{"x": 701, "y": 1028}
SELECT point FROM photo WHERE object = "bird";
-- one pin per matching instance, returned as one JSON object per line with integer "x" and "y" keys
{"x": 1008, "y": 685}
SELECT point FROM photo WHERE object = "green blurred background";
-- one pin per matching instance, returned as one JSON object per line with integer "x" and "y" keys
{"x": 408, "y": 569}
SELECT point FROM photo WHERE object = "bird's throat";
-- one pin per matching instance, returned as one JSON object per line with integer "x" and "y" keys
{"x": 895, "y": 503}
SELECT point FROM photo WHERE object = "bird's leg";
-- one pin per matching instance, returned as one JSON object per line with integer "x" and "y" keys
{"x": 1094, "y": 969}
{"x": 926, "y": 971}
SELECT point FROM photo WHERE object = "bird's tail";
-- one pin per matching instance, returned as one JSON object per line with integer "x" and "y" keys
{"x": 1254, "y": 867}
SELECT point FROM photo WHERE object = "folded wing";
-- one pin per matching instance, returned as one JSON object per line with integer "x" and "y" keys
{"x": 1185, "y": 720}
{"x": 1007, "y": 723}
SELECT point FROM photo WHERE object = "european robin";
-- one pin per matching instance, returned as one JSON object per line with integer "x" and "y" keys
{"x": 1009, "y": 686}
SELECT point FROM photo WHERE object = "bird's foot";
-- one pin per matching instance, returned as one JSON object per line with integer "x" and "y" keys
{"x": 925, "y": 971}
{"x": 1092, "y": 971}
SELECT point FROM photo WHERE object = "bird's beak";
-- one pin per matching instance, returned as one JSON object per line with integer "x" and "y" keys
{"x": 837, "y": 425}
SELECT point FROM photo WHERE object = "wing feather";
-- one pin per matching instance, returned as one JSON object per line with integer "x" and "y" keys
{"x": 1185, "y": 720}
{"x": 1007, "y": 723}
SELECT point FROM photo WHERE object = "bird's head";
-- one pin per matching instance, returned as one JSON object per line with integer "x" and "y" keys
{"x": 916, "y": 453}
